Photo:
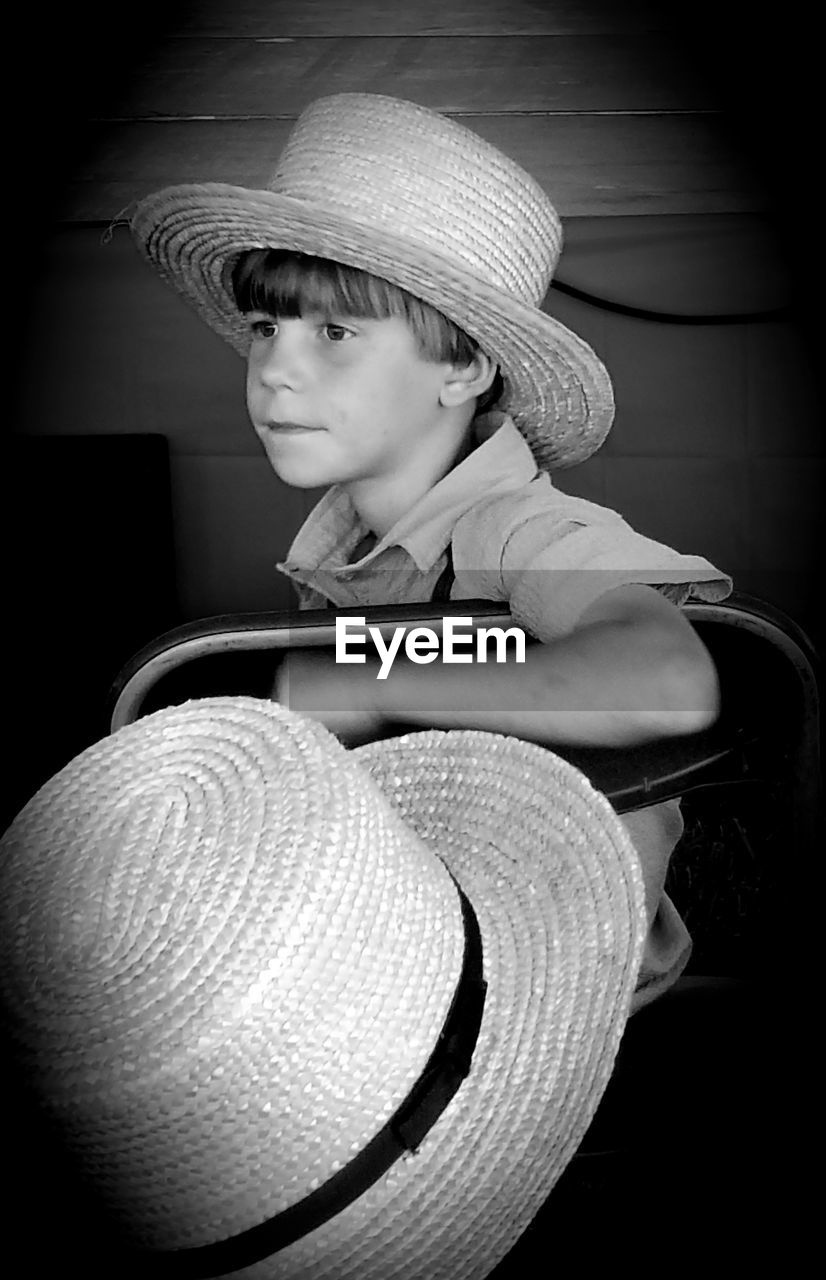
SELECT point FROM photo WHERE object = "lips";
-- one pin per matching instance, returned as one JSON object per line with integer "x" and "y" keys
{"x": 290, "y": 428}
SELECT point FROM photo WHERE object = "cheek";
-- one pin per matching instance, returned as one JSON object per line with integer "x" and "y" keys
{"x": 390, "y": 398}
{"x": 415, "y": 387}
{"x": 363, "y": 422}
{"x": 352, "y": 411}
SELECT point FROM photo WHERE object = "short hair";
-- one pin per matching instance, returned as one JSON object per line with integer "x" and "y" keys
{"x": 286, "y": 284}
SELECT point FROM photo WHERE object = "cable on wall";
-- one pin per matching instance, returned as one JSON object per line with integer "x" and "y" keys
{"x": 670, "y": 317}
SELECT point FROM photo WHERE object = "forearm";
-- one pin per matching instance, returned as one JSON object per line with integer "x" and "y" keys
{"x": 608, "y": 683}
{"x": 631, "y": 671}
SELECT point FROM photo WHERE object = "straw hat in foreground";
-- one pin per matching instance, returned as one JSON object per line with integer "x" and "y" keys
{"x": 307, "y": 1012}
{"x": 415, "y": 198}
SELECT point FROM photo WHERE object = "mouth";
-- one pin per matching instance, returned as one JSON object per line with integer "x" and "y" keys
{"x": 289, "y": 428}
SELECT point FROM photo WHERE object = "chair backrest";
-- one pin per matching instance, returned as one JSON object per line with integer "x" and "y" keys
{"x": 768, "y": 674}
{"x": 751, "y": 784}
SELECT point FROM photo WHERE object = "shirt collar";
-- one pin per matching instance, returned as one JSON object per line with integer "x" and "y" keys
{"x": 500, "y": 462}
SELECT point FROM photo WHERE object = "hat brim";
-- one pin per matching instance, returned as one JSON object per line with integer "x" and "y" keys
{"x": 558, "y": 893}
{"x": 557, "y": 389}
{"x": 172, "y": 863}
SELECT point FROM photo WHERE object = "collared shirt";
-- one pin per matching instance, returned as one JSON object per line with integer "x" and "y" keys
{"x": 515, "y": 538}
{"x": 404, "y": 565}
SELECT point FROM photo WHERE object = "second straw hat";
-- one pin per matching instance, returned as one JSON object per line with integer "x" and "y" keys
{"x": 411, "y": 196}
{"x": 230, "y": 949}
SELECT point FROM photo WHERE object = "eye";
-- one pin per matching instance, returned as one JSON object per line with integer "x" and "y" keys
{"x": 337, "y": 333}
{"x": 263, "y": 328}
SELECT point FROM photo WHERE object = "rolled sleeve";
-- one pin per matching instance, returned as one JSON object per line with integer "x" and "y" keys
{"x": 552, "y": 556}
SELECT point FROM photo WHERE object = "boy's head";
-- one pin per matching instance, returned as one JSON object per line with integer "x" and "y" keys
{"x": 415, "y": 200}
{"x": 351, "y": 378}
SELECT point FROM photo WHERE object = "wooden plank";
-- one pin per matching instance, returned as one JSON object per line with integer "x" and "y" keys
{"x": 200, "y": 77}
{"x": 273, "y": 18}
{"x": 602, "y": 164}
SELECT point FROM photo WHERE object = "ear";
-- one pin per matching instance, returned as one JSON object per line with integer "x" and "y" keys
{"x": 467, "y": 381}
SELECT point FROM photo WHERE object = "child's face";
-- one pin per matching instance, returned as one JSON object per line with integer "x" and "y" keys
{"x": 341, "y": 400}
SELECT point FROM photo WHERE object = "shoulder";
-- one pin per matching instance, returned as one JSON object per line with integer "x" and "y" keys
{"x": 536, "y": 514}
{"x": 551, "y": 556}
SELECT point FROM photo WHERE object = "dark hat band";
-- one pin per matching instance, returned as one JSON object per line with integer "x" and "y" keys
{"x": 448, "y": 1065}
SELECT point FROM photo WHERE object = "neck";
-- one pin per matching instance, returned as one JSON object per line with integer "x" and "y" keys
{"x": 381, "y": 501}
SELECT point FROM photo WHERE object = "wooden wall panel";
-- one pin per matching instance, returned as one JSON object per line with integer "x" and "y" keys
{"x": 694, "y": 504}
{"x": 614, "y": 108}
{"x": 238, "y": 78}
{"x": 279, "y": 18}
{"x": 787, "y": 526}
{"x": 607, "y": 165}
{"x": 783, "y": 394}
{"x": 683, "y": 264}
{"x": 708, "y": 417}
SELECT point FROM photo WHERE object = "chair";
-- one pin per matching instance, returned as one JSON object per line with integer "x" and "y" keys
{"x": 749, "y": 781}
{"x": 768, "y": 729}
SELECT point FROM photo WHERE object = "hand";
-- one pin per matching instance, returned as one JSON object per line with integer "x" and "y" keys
{"x": 341, "y": 697}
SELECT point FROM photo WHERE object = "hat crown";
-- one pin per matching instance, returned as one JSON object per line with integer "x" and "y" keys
{"x": 402, "y": 169}
{"x": 229, "y": 943}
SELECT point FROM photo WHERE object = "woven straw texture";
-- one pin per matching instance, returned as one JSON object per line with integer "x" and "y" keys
{"x": 228, "y": 951}
{"x": 423, "y": 202}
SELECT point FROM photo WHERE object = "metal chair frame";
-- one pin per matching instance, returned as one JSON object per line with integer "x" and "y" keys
{"x": 753, "y": 734}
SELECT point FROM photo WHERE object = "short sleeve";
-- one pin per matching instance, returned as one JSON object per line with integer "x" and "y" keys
{"x": 552, "y": 556}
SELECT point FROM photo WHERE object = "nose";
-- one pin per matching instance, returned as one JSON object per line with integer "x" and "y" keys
{"x": 275, "y": 362}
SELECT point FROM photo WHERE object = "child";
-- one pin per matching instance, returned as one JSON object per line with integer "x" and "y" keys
{"x": 385, "y": 290}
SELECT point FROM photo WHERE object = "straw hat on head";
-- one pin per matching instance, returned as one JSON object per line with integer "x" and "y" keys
{"x": 312, "y": 1013}
{"x": 408, "y": 195}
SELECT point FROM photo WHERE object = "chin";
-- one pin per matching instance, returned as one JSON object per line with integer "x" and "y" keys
{"x": 303, "y": 473}
{"x": 303, "y": 477}
{"x": 299, "y": 469}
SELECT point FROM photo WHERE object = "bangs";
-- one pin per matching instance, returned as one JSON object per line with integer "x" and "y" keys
{"x": 287, "y": 285}
{"x": 290, "y": 285}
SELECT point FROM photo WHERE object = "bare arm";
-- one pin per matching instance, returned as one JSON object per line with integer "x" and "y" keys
{"x": 632, "y": 670}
